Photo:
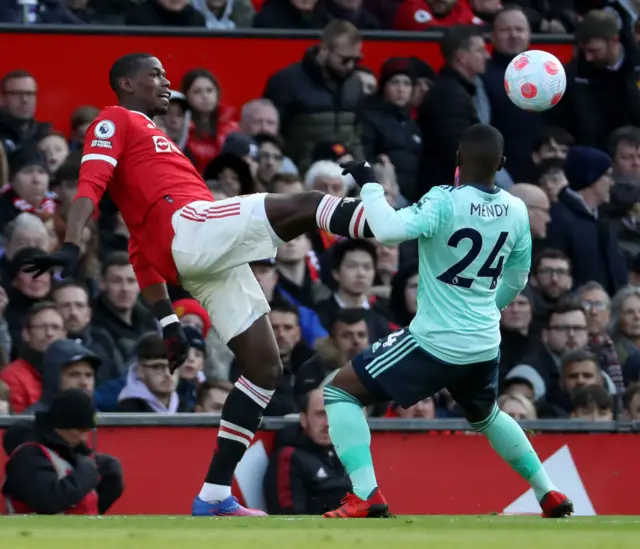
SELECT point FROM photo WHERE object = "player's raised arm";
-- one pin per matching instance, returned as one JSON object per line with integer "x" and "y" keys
{"x": 391, "y": 226}
{"x": 516, "y": 270}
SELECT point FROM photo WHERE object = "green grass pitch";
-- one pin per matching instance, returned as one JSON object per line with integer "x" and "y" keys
{"x": 440, "y": 532}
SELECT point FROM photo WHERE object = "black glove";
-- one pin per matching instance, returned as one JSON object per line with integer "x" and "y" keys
{"x": 361, "y": 171}
{"x": 176, "y": 345}
{"x": 66, "y": 256}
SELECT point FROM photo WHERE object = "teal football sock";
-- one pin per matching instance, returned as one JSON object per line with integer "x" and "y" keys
{"x": 351, "y": 439}
{"x": 511, "y": 442}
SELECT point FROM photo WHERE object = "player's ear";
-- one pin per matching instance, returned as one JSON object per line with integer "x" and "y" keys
{"x": 502, "y": 163}
{"x": 125, "y": 84}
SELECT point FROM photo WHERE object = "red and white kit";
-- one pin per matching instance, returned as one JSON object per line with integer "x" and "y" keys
{"x": 178, "y": 234}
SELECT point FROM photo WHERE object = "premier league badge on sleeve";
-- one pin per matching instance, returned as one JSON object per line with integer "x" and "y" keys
{"x": 105, "y": 129}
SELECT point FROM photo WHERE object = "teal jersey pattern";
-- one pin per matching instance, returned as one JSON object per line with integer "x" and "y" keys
{"x": 467, "y": 237}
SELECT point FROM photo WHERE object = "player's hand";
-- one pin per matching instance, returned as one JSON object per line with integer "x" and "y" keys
{"x": 67, "y": 257}
{"x": 176, "y": 345}
{"x": 361, "y": 171}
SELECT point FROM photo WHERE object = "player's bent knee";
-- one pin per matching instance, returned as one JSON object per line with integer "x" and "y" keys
{"x": 478, "y": 414}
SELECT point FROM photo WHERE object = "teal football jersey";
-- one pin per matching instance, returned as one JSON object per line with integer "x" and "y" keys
{"x": 467, "y": 237}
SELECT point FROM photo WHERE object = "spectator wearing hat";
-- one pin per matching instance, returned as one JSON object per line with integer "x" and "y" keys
{"x": 73, "y": 301}
{"x": 270, "y": 157}
{"x": 211, "y": 121}
{"x": 334, "y": 152}
{"x": 424, "y": 78}
{"x": 23, "y": 292}
{"x": 576, "y": 227}
{"x": 274, "y": 288}
{"x": 18, "y": 127}
{"x": 51, "y": 470}
{"x": 511, "y": 35}
{"x": 66, "y": 365}
{"x": 352, "y": 11}
{"x": 191, "y": 373}
{"x": 236, "y": 165}
{"x": 319, "y": 97}
{"x": 150, "y": 386}
{"x": 28, "y": 189}
{"x": 387, "y": 126}
{"x": 43, "y": 325}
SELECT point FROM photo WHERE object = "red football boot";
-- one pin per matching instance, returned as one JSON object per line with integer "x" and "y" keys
{"x": 556, "y": 505}
{"x": 354, "y": 507}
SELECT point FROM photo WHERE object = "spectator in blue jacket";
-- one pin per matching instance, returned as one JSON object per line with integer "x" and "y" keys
{"x": 267, "y": 276}
{"x": 577, "y": 229}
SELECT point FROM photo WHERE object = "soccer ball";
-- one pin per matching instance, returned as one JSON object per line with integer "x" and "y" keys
{"x": 535, "y": 80}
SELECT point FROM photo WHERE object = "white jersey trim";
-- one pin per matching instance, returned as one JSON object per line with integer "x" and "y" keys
{"x": 103, "y": 157}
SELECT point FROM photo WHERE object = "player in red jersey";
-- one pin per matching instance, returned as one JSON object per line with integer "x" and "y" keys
{"x": 179, "y": 235}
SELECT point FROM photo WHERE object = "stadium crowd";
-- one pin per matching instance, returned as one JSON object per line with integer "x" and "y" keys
{"x": 571, "y": 340}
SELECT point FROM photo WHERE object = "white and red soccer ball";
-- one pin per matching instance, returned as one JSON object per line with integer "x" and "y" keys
{"x": 535, "y": 80}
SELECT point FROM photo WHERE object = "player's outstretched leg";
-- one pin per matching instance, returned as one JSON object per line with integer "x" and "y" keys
{"x": 291, "y": 215}
{"x": 344, "y": 399}
{"x": 258, "y": 358}
{"x": 511, "y": 442}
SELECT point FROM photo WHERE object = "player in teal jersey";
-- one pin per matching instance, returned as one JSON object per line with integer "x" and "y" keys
{"x": 475, "y": 253}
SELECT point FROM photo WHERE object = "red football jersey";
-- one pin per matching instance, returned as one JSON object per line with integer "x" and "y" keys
{"x": 415, "y": 15}
{"x": 148, "y": 178}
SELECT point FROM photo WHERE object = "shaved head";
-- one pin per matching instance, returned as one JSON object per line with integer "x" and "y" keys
{"x": 537, "y": 203}
{"x": 480, "y": 154}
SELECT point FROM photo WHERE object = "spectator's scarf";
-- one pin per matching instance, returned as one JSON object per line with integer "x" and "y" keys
{"x": 45, "y": 210}
{"x": 603, "y": 347}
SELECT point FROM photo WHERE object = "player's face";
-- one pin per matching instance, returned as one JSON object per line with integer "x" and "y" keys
{"x": 398, "y": 90}
{"x": 566, "y": 332}
{"x": 516, "y": 317}
{"x": 553, "y": 278}
{"x": 314, "y": 421}
{"x": 356, "y": 273}
{"x": 596, "y": 304}
{"x": 511, "y": 33}
{"x": 350, "y": 339}
{"x": 576, "y": 375}
{"x": 630, "y": 317}
{"x": 151, "y": 87}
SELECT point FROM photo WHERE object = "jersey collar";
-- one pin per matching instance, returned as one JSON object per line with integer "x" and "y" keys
{"x": 142, "y": 114}
{"x": 483, "y": 188}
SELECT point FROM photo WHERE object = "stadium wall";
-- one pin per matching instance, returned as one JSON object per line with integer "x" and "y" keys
{"x": 423, "y": 467}
{"x": 72, "y": 67}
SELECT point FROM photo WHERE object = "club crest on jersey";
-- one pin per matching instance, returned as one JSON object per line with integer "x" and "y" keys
{"x": 105, "y": 129}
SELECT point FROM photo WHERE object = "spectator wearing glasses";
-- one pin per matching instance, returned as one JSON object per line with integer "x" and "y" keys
{"x": 150, "y": 387}
{"x": 566, "y": 330}
{"x": 597, "y": 306}
{"x": 550, "y": 281}
{"x": 43, "y": 325}
{"x": 17, "y": 124}
{"x": 318, "y": 98}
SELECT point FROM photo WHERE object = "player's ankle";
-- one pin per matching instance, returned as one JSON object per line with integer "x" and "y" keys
{"x": 212, "y": 493}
